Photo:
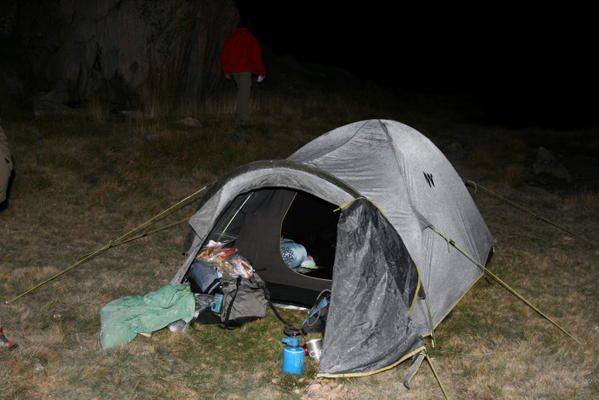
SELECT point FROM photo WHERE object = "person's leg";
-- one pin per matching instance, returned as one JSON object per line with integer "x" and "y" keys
{"x": 244, "y": 84}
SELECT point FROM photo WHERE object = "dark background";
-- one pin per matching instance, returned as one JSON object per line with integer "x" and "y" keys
{"x": 523, "y": 67}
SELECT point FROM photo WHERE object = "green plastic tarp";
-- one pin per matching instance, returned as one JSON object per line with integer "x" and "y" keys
{"x": 124, "y": 318}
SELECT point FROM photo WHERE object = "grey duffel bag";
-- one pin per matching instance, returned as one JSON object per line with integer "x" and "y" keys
{"x": 243, "y": 300}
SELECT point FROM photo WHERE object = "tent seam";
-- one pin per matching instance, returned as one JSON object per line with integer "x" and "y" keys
{"x": 353, "y": 135}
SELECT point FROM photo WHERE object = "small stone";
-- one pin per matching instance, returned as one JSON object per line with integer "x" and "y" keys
{"x": 189, "y": 122}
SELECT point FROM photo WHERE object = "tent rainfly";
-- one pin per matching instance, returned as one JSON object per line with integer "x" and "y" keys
{"x": 393, "y": 278}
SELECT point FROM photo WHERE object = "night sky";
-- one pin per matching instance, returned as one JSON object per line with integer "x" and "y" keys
{"x": 533, "y": 67}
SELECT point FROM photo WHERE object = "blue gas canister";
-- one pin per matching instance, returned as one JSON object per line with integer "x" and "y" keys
{"x": 293, "y": 356}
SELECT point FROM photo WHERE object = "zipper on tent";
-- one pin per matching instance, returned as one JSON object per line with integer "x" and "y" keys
{"x": 418, "y": 289}
{"x": 430, "y": 321}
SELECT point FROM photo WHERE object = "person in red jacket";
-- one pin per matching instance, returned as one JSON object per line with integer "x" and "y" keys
{"x": 241, "y": 56}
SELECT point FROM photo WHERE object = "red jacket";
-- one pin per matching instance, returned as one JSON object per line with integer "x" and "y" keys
{"x": 241, "y": 53}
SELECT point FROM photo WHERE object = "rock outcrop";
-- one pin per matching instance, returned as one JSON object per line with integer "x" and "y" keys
{"x": 124, "y": 50}
{"x": 8, "y": 13}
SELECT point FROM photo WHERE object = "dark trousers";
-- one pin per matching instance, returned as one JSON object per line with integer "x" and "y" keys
{"x": 243, "y": 80}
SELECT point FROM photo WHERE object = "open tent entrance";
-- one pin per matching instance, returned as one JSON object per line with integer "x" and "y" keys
{"x": 312, "y": 222}
{"x": 258, "y": 220}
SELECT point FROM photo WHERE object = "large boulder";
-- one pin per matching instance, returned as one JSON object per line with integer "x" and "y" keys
{"x": 8, "y": 13}
{"x": 125, "y": 49}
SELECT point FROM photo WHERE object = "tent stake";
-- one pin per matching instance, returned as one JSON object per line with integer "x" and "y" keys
{"x": 506, "y": 286}
{"x": 125, "y": 238}
{"x": 430, "y": 363}
{"x": 477, "y": 186}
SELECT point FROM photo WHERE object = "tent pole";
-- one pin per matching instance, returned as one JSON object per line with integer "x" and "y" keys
{"x": 430, "y": 363}
{"x": 505, "y": 285}
{"x": 149, "y": 233}
{"x": 235, "y": 215}
{"x": 161, "y": 214}
{"x": 115, "y": 242}
{"x": 477, "y": 186}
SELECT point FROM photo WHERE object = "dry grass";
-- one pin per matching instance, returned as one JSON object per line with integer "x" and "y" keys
{"x": 97, "y": 111}
{"x": 586, "y": 202}
{"x": 83, "y": 181}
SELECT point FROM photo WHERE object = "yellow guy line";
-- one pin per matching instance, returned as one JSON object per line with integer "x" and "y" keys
{"x": 111, "y": 243}
{"x": 506, "y": 286}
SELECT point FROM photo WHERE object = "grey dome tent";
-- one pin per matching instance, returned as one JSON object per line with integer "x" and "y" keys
{"x": 386, "y": 190}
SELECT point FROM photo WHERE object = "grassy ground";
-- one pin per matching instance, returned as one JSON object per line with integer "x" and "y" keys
{"x": 84, "y": 180}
